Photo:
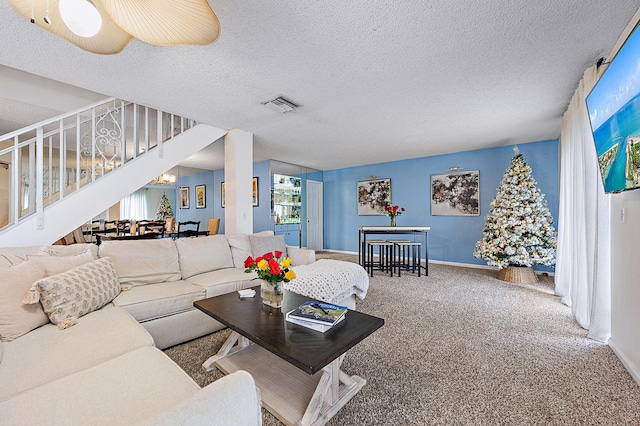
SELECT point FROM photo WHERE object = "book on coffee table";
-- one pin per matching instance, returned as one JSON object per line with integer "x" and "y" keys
{"x": 319, "y": 312}
{"x": 310, "y": 324}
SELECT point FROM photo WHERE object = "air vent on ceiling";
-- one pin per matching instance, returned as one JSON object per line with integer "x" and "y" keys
{"x": 281, "y": 104}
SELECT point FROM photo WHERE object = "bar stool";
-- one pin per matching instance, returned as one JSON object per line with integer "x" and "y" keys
{"x": 384, "y": 256}
{"x": 407, "y": 255}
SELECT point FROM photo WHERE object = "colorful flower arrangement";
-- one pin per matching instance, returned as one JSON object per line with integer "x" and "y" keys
{"x": 393, "y": 211}
{"x": 269, "y": 268}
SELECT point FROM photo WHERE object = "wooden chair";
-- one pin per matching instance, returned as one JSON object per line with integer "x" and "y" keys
{"x": 188, "y": 232}
{"x": 123, "y": 227}
{"x": 110, "y": 226}
{"x": 213, "y": 226}
{"x": 170, "y": 224}
{"x": 151, "y": 227}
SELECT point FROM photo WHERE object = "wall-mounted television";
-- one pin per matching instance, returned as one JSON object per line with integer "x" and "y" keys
{"x": 614, "y": 112}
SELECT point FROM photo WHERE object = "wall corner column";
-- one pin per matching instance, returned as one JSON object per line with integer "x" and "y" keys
{"x": 238, "y": 174}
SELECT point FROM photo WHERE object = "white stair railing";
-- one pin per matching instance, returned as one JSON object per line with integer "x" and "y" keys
{"x": 43, "y": 163}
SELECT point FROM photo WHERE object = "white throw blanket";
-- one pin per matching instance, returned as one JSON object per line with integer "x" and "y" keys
{"x": 330, "y": 280}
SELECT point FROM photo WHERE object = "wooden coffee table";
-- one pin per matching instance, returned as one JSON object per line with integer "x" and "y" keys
{"x": 297, "y": 369}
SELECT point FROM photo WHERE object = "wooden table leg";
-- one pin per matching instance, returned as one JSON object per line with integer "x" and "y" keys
{"x": 227, "y": 349}
{"x": 334, "y": 390}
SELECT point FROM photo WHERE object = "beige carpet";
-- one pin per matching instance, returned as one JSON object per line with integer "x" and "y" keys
{"x": 462, "y": 348}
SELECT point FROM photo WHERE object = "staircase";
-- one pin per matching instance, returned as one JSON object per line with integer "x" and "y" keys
{"x": 59, "y": 173}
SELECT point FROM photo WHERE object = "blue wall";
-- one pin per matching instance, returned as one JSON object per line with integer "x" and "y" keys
{"x": 262, "y": 220}
{"x": 452, "y": 238}
{"x": 192, "y": 213}
{"x": 213, "y": 189}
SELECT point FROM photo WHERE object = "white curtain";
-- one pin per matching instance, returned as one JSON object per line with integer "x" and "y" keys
{"x": 583, "y": 270}
{"x": 134, "y": 206}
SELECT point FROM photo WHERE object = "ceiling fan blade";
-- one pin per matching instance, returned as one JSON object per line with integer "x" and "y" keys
{"x": 165, "y": 22}
{"x": 109, "y": 40}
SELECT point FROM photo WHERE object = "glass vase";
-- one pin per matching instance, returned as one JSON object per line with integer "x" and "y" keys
{"x": 272, "y": 295}
{"x": 393, "y": 221}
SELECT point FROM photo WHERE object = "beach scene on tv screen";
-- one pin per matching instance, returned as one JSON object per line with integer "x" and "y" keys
{"x": 614, "y": 111}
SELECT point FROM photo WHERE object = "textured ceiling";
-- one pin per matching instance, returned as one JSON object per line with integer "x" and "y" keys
{"x": 377, "y": 80}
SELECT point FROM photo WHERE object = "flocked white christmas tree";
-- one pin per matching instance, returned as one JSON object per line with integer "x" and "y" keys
{"x": 164, "y": 209}
{"x": 519, "y": 228}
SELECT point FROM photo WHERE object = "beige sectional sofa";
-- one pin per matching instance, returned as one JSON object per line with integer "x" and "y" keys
{"x": 166, "y": 276}
{"x": 107, "y": 366}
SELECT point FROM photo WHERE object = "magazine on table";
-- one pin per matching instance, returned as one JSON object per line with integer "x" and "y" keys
{"x": 319, "y": 312}
{"x": 312, "y": 325}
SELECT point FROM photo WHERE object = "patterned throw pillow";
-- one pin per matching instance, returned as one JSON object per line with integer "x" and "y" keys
{"x": 68, "y": 296}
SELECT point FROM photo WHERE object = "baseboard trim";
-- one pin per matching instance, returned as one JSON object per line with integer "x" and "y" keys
{"x": 625, "y": 361}
{"x": 444, "y": 262}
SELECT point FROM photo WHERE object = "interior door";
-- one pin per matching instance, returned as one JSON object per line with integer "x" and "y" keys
{"x": 314, "y": 215}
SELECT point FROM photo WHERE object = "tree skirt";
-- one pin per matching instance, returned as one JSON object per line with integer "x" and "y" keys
{"x": 518, "y": 274}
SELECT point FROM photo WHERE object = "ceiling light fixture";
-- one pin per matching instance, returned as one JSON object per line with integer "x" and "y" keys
{"x": 81, "y": 17}
{"x": 157, "y": 22}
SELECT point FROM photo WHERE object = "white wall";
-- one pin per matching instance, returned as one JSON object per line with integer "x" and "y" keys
{"x": 625, "y": 280}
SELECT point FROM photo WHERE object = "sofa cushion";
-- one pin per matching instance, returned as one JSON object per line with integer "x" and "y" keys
{"x": 203, "y": 254}
{"x": 140, "y": 262}
{"x": 54, "y": 265}
{"x": 21, "y": 252}
{"x": 224, "y": 281}
{"x": 153, "y": 301}
{"x": 70, "y": 250}
{"x": 265, "y": 244}
{"x": 7, "y": 260}
{"x": 17, "y": 319}
{"x": 241, "y": 247}
{"x": 78, "y": 291}
{"x": 100, "y": 336}
{"x": 127, "y": 389}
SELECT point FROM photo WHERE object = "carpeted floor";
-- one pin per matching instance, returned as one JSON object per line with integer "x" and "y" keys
{"x": 462, "y": 348}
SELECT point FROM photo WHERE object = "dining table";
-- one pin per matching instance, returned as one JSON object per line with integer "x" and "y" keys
{"x": 421, "y": 232}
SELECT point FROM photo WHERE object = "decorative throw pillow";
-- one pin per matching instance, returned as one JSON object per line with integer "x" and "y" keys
{"x": 17, "y": 319}
{"x": 71, "y": 250}
{"x": 262, "y": 245}
{"x": 241, "y": 247}
{"x": 54, "y": 265}
{"x": 68, "y": 296}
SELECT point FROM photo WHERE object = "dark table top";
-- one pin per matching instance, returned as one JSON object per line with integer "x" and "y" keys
{"x": 148, "y": 236}
{"x": 307, "y": 349}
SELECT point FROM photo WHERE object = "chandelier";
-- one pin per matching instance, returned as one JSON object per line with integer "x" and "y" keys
{"x": 107, "y": 26}
{"x": 164, "y": 179}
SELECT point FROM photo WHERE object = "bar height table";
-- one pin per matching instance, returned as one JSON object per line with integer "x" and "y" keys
{"x": 363, "y": 231}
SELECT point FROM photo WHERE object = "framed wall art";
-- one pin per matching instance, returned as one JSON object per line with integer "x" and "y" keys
{"x": 254, "y": 192}
{"x": 184, "y": 197}
{"x": 373, "y": 196}
{"x": 201, "y": 197}
{"x": 456, "y": 194}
